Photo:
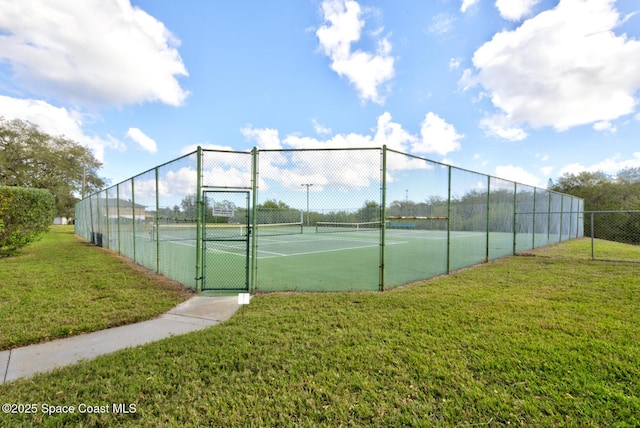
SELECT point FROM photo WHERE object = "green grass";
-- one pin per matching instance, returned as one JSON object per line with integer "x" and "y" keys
{"x": 602, "y": 250}
{"x": 62, "y": 286}
{"x": 537, "y": 341}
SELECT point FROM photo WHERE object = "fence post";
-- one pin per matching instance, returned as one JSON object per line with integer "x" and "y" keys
{"x": 486, "y": 254}
{"x": 383, "y": 215}
{"x": 253, "y": 276}
{"x": 533, "y": 219}
{"x": 157, "y": 221}
{"x": 561, "y": 216}
{"x": 592, "y": 236}
{"x": 515, "y": 213}
{"x": 107, "y": 236}
{"x": 118, "y": 215}
{"x": 571, "y": 219}
{"x": 449, "y": 222}
{"x": 199, "y": 273}
{"x": 549, "y": 218}
{"x": 133, "y": 217}
{"x": 92, "y": 233}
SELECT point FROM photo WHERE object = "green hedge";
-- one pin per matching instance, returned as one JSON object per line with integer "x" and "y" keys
{"x": 25, "y": 214}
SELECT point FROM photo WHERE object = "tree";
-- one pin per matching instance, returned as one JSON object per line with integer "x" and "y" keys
{"x": 629, "y": 175}
{"x": 189, "y": 208}
{"x": 33, "y": 159}
{"x": 600, "y": 191}
{"x": 273, "y": 205}
{"x": 604, "y": 193}
{"x": 369, "y": 212}
{"x": 273, "y": 211}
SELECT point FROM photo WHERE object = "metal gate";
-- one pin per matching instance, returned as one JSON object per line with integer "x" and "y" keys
{"x": 225, "y": 240}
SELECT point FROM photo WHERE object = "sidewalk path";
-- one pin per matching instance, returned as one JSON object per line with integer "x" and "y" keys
{"x": 195, "y": 314}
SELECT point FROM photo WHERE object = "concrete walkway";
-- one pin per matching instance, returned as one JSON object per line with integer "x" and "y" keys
{"x": 195, "y": 314}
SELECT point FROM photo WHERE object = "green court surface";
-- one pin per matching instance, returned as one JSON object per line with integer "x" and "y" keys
{"x": 334, "y": 261}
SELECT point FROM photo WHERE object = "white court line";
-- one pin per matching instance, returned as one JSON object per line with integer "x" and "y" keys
{"x": 373, "y": 244}
{"x": 329, "y": 250}
{"x": 310, "y": 240}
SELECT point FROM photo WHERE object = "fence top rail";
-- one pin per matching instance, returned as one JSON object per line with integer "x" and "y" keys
{"x": 226, "y": 151}
{"x": 323, "y": 149}
{"x": 418, "y": 157}
{"x": 518, "y": 187}
{"x": 612, "y": 211}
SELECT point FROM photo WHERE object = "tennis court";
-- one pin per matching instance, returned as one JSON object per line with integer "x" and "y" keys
{"x": 319, "y": 219}
{"x": 347, "y": 257}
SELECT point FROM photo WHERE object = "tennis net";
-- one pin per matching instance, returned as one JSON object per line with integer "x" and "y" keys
{"x": 188, "y": 231}
{"x": 332, "y": 227}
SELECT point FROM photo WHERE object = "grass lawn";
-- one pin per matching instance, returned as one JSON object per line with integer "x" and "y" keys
{"x": 541, "y": 341}
{"x": 62, "y": 286}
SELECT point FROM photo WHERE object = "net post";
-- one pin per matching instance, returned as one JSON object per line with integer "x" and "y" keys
{"x": 383, "y": 215}
{"x": 199, "y": 273}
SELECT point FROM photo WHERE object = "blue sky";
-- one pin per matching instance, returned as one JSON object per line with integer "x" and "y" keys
{"x": 525, "y": 90}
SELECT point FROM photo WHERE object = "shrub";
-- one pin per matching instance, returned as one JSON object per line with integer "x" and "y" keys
{"x": 25, "y": 214}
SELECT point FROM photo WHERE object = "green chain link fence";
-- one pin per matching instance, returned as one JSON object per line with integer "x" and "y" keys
{"x": 604, "y": 227}
{"x": 319, "y": 220}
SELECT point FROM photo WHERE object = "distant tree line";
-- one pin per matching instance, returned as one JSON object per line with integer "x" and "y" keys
{"x": 603, "y": 192}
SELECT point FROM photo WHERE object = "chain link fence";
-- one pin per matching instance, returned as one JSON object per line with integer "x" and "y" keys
{"x": 615, "y": 235}
{"x": 319, "y": 220}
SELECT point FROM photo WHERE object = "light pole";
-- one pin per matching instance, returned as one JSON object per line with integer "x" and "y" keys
{"x": 308, "y": 185}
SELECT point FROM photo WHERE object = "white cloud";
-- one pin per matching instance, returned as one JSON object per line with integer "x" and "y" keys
{"x": 466, "y": 4}
{"x": 547, "y": 170}
{"x": 347, "y": 169}
{"x": 437, "y": 136}
{"x": 515, "y": 10}
{"x": 265, "y": 138}
{"x": 605, "y": 126}
{"x": 500, "y": 126}
{"x": 441, "y": 23}
{"x": 142, "y": 139}
{"x": 342, "y": 168}
{"x": 57, "y": 121}
{"x": 454, "y": 63}
{"x": 366, "y": 71}
{"x": 392, "y": 134}
{"x": 609, "y": 166}
{"x": 562, "y": 68}
{"x": 320, "y": 129}
{"x": 193, "y": 147}
{"x": 517, "y": 174}
{"x": 90, "y": 52}
{"x": 178, "y": 183}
